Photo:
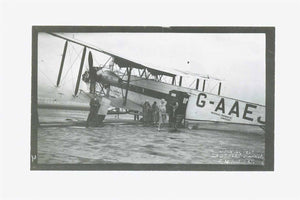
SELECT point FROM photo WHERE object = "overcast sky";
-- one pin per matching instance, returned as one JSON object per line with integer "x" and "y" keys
{"x": 239, "y": 59}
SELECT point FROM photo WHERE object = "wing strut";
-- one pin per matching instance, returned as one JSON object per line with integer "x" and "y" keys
{"x": 197, "y": 84}
{"x": 127, "y": 85}
{"x": 180, "y": 80}
{"x": 173, "y": 80}
{"x": 219, "y": 90}
{"x": 203, "y": 87}
{"x": 62, "y": 64}
{"x": 80, "y": 71}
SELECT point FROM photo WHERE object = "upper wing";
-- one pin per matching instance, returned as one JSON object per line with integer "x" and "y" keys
{"x": 122, "y": 61}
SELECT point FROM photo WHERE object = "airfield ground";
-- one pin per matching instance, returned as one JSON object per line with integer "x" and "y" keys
{"x": 62, "y": 139}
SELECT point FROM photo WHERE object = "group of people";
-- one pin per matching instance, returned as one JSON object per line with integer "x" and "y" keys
{"x": 157, "y": 114}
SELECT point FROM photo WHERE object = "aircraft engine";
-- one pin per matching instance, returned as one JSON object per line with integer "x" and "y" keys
{"x": 108, "y": 77}
{"x": 101, "y": 75}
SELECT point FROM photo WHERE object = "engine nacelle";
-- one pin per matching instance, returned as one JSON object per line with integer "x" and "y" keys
{"x": 108, "y": 77}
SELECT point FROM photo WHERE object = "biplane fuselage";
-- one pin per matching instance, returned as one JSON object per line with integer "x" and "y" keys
{"x": 131, "y": 91}
{"x": 200, "y": 105}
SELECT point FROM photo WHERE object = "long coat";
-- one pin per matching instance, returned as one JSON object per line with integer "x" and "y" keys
{"x": 155, "y": 113}
{"x": 147, "y": 112}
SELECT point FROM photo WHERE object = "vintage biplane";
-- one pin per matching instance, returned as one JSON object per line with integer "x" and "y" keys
{"x": 125, "y": 83}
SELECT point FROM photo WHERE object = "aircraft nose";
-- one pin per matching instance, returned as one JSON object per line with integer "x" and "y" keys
{"x": 107, "y": 77}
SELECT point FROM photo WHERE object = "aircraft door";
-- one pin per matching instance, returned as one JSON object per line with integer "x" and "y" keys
{"x": 182, "y": 99}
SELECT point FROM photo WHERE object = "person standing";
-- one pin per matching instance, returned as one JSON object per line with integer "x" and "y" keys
{"x": 93, "y": 115}
{"x": 173, "y": 116}
{"x": 155, "y": 113}
{"x": 146, "y": 112}
{"x": 162, "y": 113}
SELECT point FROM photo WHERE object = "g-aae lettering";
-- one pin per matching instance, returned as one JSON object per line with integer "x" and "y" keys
{"x": 230, "y": 107}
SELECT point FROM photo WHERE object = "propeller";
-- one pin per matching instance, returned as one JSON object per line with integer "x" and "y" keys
{"x": 90, "y": 59}
{"x": 94, "y": 78}
{"x": 92, "y": 73}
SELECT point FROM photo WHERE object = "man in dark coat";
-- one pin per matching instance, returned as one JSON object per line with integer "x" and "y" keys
{"x": 173, "y": 116}
{"x": 155, "y": 114}
{"x": 93, "y": 115}
{"x": 147, "y": 113}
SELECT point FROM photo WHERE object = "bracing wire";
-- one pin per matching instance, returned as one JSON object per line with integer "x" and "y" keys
{"x": 192, "y": 83}
{"x": 70, "y": 68}
{"x": 213, "y": 88}
{"x": 106, "y": 61}
{"x": 47, "y": 77}
{"x": 97, "y": 62}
